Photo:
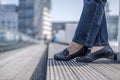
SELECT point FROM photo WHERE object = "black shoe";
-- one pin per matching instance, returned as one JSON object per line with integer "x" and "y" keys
{"x": 105, "y": 52}
{"x": 64, "y": 55}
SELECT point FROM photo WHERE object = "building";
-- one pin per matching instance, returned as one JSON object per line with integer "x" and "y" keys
{"x": 35, "y": 18}
{"x": 26, "y": 14}
{"x": 56, "y": 26}
{"x": 70, "y": 27}
{"x": 112, "y": 24}
{"x": 64, "y": 30}
{"x": 43, "y": 23}
{"x": 8, "y": 18}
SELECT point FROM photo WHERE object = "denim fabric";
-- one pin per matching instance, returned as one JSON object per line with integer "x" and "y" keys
{"x": 92, "y": 28}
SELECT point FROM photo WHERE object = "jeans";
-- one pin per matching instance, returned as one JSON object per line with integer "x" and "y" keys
{"x": 92, "y": 27}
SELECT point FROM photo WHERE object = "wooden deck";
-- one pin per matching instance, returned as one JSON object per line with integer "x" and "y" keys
{"x": 5, "y": 46}
{"x": 22, "y": 64}
{"x": 102, "y": 69}
{"x": 36, "y": 63}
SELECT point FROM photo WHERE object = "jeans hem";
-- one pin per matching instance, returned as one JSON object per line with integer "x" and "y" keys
{"x": 90, "y": 45}
{"x": 101, "y": 44}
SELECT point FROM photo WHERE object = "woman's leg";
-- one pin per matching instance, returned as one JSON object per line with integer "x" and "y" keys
{"x": 102, "y": 36}
{"x": 87, "y": 30}
{"x": 90, "y": 23}
{"x": 97, "y": 37}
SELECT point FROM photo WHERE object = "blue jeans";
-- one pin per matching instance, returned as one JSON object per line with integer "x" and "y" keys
{"x": 92, "y": 28}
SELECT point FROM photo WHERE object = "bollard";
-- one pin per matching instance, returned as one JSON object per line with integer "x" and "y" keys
{"x": 118, "y": 55}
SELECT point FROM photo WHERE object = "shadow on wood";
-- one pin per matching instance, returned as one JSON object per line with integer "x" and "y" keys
{"x": 40, "y": 71}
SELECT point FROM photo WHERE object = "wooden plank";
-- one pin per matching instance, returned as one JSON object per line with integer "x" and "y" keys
{"x": 102, "y": 69}
{"x": 22, "y": 64}
{"x": 12, "y": 46}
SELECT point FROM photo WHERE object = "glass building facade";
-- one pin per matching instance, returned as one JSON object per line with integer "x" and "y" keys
{"x": 35, "y": 18}
{"x": 8, "y": 22}
{"x": 26, "y": 13}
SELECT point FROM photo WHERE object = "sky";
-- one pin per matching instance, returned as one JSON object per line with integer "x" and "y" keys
{"x": 69, "y": 10}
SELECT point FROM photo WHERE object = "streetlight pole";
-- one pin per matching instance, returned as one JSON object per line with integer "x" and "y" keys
{"x": 118, "y": 55}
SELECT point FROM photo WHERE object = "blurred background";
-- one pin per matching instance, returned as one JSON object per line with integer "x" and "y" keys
{"x": 27, "y": 25}
{"x": 29, "y": 21}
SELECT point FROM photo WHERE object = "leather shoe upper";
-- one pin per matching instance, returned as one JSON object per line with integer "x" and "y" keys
{"x": 105, "y": 52}
{"x": 64, "y": 55}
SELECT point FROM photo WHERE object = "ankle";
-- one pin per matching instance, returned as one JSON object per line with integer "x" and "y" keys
{"x": 96, "y": 48}
{"x": 74, "y": 47}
